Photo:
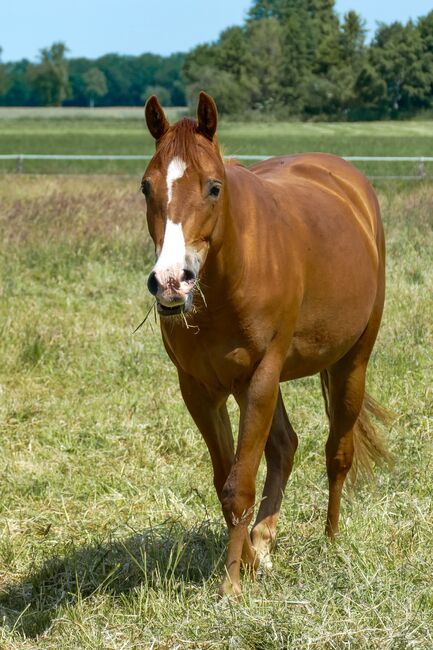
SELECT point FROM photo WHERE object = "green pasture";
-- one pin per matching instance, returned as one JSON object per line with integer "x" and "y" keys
{"x": 111, "y": 536}
{"x": 122, "y": 131}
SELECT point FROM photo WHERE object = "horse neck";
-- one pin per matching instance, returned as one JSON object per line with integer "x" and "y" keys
{"x": 227, "y": 260}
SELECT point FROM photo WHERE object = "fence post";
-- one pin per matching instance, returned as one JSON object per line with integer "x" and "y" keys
{"x": 19, "y": 165}
{"x": 421, "y": 168}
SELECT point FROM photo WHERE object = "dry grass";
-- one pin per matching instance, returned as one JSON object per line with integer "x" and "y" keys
{"x": 110, "y": 533}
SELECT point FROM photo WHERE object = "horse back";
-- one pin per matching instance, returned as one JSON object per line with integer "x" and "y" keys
{"x": 336, "y": 247}
{"x": 325, "y": 174}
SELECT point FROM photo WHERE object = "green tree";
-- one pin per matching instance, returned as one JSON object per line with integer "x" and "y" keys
{"x": 342, "y": 54}
{"x": 265, "y": 60}
{"x": 278, "y": 9}
{"x": 232, "y": 53}
{"x": 399, "y": 58}
{"x": 295, "y": 67}
{"x": 119, "y": 80}
{"x": 50, "y": 78}
{"x": 370, "y": 92}
{"x": 3, "y": 76}
{"x": 425, "y": 28}
{"x": 162, "y": 93}
{"x": 231, "y": 97}
{"x": 202, "y": 71}
{"x": 169, "y": 75}
{"x": 352, "y": 38}
{"x": 325, "y": 35}
{"x": 95, "y": 84}
{"x": 309, "y": 39}
{"x": 18, "y": 91}
{"x": 200, "y": 56}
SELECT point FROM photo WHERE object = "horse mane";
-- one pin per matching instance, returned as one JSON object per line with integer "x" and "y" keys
{"x": 180, "y": 141}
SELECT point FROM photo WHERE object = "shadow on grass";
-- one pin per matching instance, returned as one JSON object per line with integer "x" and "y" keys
{"x": 163, "y": 557}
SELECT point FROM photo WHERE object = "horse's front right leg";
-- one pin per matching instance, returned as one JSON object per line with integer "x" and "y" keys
{"x": 209, "y": 412}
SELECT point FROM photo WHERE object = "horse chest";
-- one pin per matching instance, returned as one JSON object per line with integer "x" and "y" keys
{"x": 216, "y": 361}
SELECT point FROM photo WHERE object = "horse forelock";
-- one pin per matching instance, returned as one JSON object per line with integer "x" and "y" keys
{"x": 181, "y": 141}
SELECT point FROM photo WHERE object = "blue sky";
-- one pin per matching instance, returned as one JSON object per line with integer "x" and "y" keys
{"x": 94, "y": 27}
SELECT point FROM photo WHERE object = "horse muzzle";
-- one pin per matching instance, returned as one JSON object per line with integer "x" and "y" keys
{"x": 173, "y": 292}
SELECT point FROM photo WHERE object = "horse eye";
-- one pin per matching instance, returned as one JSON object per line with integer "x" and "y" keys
{"x": 214, "y": 190}
{"x": 145, "y": 187}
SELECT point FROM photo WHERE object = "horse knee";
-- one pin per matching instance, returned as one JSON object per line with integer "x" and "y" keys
{"x": 338, "y": 468}
{"x": 237, "y": 504}
{"x": 339, "y": 461}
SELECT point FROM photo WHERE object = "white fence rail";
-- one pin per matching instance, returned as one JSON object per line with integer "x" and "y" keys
{"x": 21, "y": 157}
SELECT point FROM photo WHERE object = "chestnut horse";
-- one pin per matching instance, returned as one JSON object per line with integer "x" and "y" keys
{"x": 263, "y": 275}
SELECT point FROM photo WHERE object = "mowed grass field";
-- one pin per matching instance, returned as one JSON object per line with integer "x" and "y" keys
{"x": 123, "y": 132}
{"x": 111, "y": 536}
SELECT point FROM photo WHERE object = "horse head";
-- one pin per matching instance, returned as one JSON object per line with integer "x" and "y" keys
{"x": 184, "y": 187}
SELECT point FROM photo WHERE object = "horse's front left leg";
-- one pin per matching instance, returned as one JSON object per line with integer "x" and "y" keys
{"x": 257, "y": 405}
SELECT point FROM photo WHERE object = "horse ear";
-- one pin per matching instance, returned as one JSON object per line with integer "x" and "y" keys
{"x": 207, "y": 115}
{"x": 155, "y": 119}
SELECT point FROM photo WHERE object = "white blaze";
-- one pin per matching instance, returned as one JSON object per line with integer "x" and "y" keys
{"x": 173, "y": 248}
{"x": 175, "y": 170}
{"x": 172, "y": 254}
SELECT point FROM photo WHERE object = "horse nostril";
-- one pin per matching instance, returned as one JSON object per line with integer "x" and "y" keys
{"x": 152, "y": 283}
{"x": 188, "y": 275}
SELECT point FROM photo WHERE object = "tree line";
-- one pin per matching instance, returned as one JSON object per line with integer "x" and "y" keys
{"x": 290, "y": 58}
{"x": 297, "y": 58}
{"x": 110, "y": 80}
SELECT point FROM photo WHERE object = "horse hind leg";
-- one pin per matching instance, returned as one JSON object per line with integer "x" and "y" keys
{"x": 352, "y": 440}
{"x": 279, "y": 453}
{"x": 345, "y": 395}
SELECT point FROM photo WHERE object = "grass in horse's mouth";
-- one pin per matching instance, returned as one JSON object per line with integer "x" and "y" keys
{"x": 146, "y": 317}
{"x": 168, "y": 311}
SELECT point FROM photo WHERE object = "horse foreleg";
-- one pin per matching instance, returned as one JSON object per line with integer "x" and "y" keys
{"x": 279, "y": 452}
{"x": 209, "y": 412}
{"x": 257, "y": 405}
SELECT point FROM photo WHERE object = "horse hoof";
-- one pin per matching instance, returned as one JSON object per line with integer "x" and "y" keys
{"x": 266, "y": 565}
{"x": 262, "y": 546}
{"x": 229, "y": 589}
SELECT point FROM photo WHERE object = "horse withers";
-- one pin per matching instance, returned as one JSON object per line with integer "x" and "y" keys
{"x": 263, "y": 275}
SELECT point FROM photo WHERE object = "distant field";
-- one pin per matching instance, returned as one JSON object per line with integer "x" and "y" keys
{"x": 56, "y": 113}
{"x": 111, "y": 536}
{"x": 122, "y": 131}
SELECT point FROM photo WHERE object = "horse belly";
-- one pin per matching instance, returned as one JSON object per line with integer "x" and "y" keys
{"x": 312, "y": 352}
{"x": 331, "y": 319}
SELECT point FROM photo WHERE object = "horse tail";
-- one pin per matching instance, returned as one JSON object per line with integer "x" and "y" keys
{"x": 369, "y": 448}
